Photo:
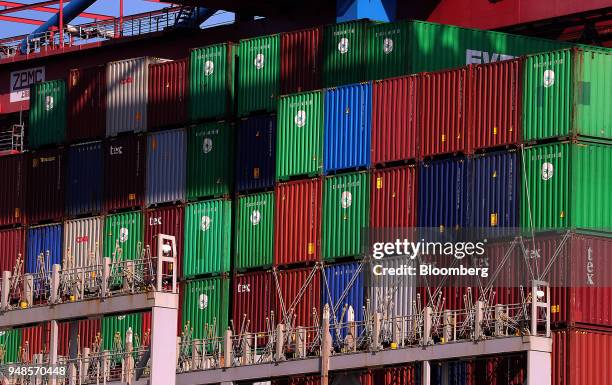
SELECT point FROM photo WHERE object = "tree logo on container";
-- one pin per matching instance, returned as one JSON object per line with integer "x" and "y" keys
{"x": 49, "y": 103}
{"x": 207, "y": 145}
{"x": 343, "y": 45}
{"x": 205, "y": 222}
{"x": 209, "y": 67}
{"x": 123, "y": 234}
{"x": 259, "y": 61}
{"x": 387, "y": 45}
{"x": 346, "y": 200}
{"x": 255, "y": 217}
{"x": 300, "y": 118}
{"x": 547, "y": 171}
{"x": 203, "y": 301}
{"x": 549, "y": 78}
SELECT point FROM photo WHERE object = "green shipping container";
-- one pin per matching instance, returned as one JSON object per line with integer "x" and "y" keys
{"x": 210, "y": 167}
{"x": 567, "y": 93}
{"x": 10, "y": 341}
{"x": 254, "y": 231}
{"x": 344, "y": 48}
{"x": 126, "y": 231}
{"x": 258, "y": 74}
{"x": 114, "y": 328}
{"x": 299, "y": 137}
{"x": 206, "y": 307}
{"x": 388, "y": 49}
{"x": 208, "y": 232}
{"x": 567, "y": 185}
{"x": 47, "y": 113}
{"x": 211, "y": 82}
{"x": 346, "y": 214}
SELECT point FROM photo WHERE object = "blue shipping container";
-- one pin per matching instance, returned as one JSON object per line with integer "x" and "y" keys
{"x": 46, "y": 240}
{"x": 443, "y": 199}
{"x": 348, "y": 127}
{"x": 84, "y": 179}
{"x": 450, "y": 373}
{"x": 340, "y": 293}
{"x": 166, "y": 166}
{"x": 256, "y": 153}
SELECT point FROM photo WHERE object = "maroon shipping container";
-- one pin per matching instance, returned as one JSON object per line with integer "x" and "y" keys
{"x": 582, "y": 357}
{"x": 124, "y": 172}
{"x": 165, "y": 220}
{"x": 443, "y": 116}
{"x": 253, "y": 298}
{"x": 393, "y": 198}
{"x": 86, "y": 103}
{"x": 87, "y": 331}
{"x": 147, "y": 317}
{"x": 34, "y": 340}
{"x": 167, "y": 106}
{"x": 12, "y": 190}
{"x": 300, "y": 307}
{"x": 12, "y": 246}
{"x": 297, "y": 222}
{"x": 495, "y": 104}
{"x": 45, "y": 192}
{"x": 394, "y": 375}
{"x": 395, "y": 119}
{"x": 301, "y": 60}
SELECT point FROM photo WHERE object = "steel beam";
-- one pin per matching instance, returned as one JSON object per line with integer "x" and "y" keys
{"x": 16, "y": 7}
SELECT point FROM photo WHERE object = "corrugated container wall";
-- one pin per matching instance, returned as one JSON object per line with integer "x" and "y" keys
{"x": 115, "y": 327}
{"x": 124, "y": 230}
{"x": 166, "y": 166}
{"x": 34, "y": 340}
{"x": 124, "y": 172}
{"x": 296, "y": 289}
{"x": 388, "y": 48}
{"x": 167, "y": 105}
{"x": 297, "y": 225}
{"x": 299, "y": 140}
{"x": 256, "y": 153}
{"x": 166, "y": 220}
{"x": 301, "y": 60}
{"x": 348, "y": 120}
{"x": 86, "y": 331}
{"x": 442, "y": 198}
{"x": 85, "y": 179}
{"x": 206, "y": 306}
{"x": 46, "y": 186}
{"x": 12, "y": 246}
{"x": 343, "y": 290}
{"x": 83, "y": 242}
{"x": 45, "y": 240}
{"x": 253, "y": 301}
{"x": 495, "y": 104}
{"x": 127, "y": 95}
{"x": 258, "y": 74}
{"x": 496, "y": 370}
{"x": 581, "y": 357}
{"x": 567, "y": 93}
{"x": 13, "y": 189}
{"x": 11, "y": 341}
{"x": 86, "y": 104}
{"x": 393, "y": 193}
{"x": 443, "y": 117}
{"x": 346, "y": 212}
{"x": 47, "y": 113}
{"x": 390, "y": 294}
{"x": 344, "y": 53}
{"x": 395, "y": 117}
{"x": 254, "y": 231}
{"x": 211, "y": 82}
{"x": 208, "y": 237}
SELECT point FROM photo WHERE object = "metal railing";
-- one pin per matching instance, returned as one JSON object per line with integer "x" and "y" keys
{"x": 11, "y": 140}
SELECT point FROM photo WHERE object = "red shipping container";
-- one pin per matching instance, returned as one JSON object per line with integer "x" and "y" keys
{"x": 253, "y": 298}
{"x": 582, "y": 357}
{"x": 145, "y": 338}
{"x": 12, "y": 246}
{"x": 297, "y": 222}
{"x": 393, "y": 198}
{"x": 45, "y": 192}
{"x": 443, "y": 116}
{"x": 495, "y": 104}
{"x": 12, "y": 190}
{"x": 87, "y": 331}
{"x": 300, "y": 307}
{"x": 167, "y": 104}
{"x": 169, "y": 221}
{"x": 86, "y": 104}
{"x": 34, "y": 340}
{"x": 395, "y": 119}
{"x": 301, "y": 60}
{"x": 124, "y": 172}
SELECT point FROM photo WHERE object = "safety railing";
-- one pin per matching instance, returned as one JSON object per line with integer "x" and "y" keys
{"x": 11, "y": 140}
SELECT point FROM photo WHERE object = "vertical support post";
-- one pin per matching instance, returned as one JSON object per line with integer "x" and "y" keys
{"x": 105, "y": 276}
{"x": 427, "y": 323}
{"x": 129, "y": 359}
{"x": 280, "y": 340}
{"x": 326, "y": 346}
{"x": 128, "y": 277}
{"x": 163, "y": 360}
{"x": 85, "y": 367}
{"x": 61, "y": 22}
{"x": 426, "y": 373}
{"x": 352, "y": 327}
{"x": 6, "y": 287}
{"x": 447, "y": 329}
{"x": 479, "y": 317}
{"x": 53, "y": 341}
{"x": 227, "y": 349}
{"x": 28, "y": 288}
{"x": 161, "y": 258}
{"x": 55, "y": 281}
{"x": 539, "y": 369}
{"x": 249, "y": 353}
{"x": 120, "y": 18}
{"x": 300, "y": 337}
{"x": 499, "y": 325}
{"x": 375, "y": 344}
{"x": 195, "y": 354}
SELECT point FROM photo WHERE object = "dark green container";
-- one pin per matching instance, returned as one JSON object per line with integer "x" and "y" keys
{"x": 47, "y": 113}
{"x": 299, "y": 137}
{"x": 258, "y": 74}
{"x": 208, "y": 232}
{"x": 346, "y": 213}
{"x": 10, "y": 341}
{"x": 210, "y": 167}
{"x": 206, "y": 306}
{"x": 254, "y": 231}
{"x": 126, "y": 231}
{"x": 344, "y": 53}
{"x": 117, "y": 325}
{"x": 388, "y": 50}
{"x": 211, "y": 82}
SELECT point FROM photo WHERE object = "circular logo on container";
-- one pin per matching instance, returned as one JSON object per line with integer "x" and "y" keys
{"x": 347, "y": 199}
{"x": 207, "y": 145}
{"x": 49, "y": 103}
{"x": 343, "y": 45}
{"x": 549, "y": 78}
{"x": 205, "y": 222}
{"x": 121, "y": 317}
{"x": 388, "y": 45}
{"x": 203, "y": 301}
{"x": 2, "y": 332}
{"x": 547, "y": 171}
{"x": 259, "y": 61}
{"x": 300, "y": 118}
{"x": 255, "y": 217}
{"x": 209, "y": 68}
{"x": 123, "y": 234}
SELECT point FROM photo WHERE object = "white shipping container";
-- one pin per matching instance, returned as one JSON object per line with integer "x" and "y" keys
{"x": 392, "y": 295}
{"x": 82, "y": 242}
